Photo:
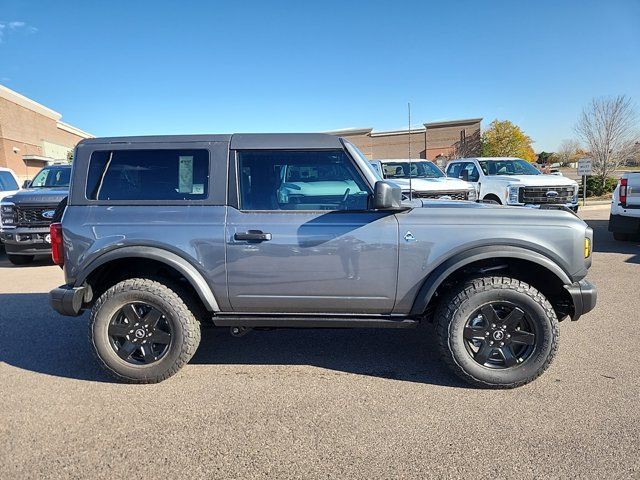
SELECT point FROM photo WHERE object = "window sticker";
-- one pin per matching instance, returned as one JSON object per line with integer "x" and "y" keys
{"x": 185, "y": 178}
{"x": 198, "y": 189}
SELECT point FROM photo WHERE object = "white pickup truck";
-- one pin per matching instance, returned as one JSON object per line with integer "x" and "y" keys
{"x": 624, "y": 220}
{"x": 514, "y": 181}
{"x": 427, "y": 180}
{"x": 9, "y": 182}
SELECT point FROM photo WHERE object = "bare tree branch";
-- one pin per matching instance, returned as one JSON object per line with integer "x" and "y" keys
{"x": 608, "y": 127}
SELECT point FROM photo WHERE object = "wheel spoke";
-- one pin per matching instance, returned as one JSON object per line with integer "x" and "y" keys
{"x": 160, "y": 336}
{"x": 509, "y": 359}
{"x": 483, "y": 354}
{"x": 125, "y": 351}
{"x": 152, "y": 317}
{"x": 474, "y": 333}
{"x": 147, "y": 353}
{"x": 513, "y": 318}
{"x": 489, "y": 314}
{"x": 119, "y": 330}
{"x": 526, "y": 338}
{"x": 130, "y": 313}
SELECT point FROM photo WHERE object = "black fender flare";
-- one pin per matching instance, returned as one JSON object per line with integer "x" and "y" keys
{"x": 459, "y": 260}
{"x": 190, "y": 272}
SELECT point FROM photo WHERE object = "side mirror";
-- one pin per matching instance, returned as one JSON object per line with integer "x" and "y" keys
{"x": 464, "y": 175}
{"x": 26, "y": 184}
{"x": 387, "y": 196}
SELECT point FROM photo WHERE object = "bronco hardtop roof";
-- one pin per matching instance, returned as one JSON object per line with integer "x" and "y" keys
{"x": 237, "y": 141}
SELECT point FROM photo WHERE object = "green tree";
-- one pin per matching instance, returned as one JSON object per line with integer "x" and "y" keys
{"x": 505, "y": 139}
{"x": 70, "y": 156}
{"x": 545, "y": 157}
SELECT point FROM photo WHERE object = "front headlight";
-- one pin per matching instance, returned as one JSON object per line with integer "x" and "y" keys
{"x": 513, "y": 196}
{"x": 473, "y": 196}
{"x": 7, "y": 215}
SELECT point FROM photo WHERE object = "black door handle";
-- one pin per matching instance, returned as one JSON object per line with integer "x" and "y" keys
{"x": 252, "y": 236}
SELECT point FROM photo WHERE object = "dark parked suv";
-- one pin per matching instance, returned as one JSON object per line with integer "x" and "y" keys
{"x": 297, "y": 230}
{"x": 26, "y": 215}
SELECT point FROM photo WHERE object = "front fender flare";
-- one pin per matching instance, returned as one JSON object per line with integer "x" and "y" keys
{"x": 459, "y": 260}
{"x": 191, "y": 273}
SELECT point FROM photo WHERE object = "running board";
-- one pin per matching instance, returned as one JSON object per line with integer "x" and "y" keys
{"x": 311, "y": 321}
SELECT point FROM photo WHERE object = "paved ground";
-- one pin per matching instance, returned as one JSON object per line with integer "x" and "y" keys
{"x": 329, "y": 404}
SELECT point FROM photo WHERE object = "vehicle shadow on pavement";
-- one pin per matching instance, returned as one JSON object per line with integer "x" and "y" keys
{"x": 603, "y": 242}
{"x": 48, "y": 343}
{"x": 405, "y": 355}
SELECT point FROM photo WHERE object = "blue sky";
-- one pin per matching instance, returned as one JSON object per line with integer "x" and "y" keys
{"x": 159, "y": 67}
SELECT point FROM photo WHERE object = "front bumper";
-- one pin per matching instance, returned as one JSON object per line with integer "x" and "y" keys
{"x": 26, "y": 241}
{"x": 67, "y": 300}
{"x": 584, "y": 295}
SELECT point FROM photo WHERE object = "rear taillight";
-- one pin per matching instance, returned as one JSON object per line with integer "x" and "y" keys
{"x": 57, "y": 248}
{"x": 622, "y": 192}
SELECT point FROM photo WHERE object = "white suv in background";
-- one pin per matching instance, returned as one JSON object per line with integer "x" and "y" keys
{"x": 427, "y": 180}
{"x": 514, "y": 181}
{"x": 9, "y": 182}
{"x": 624, "y": 220}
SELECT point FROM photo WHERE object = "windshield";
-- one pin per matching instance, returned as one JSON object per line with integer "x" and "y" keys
{"x": 513, "y": 166}
{"x": 418, "y": 170}
{"x": 50, "y": 177}
{"x": 7, "y": 182}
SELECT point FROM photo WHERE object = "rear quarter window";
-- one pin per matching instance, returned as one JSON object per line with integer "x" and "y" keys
{"x": 148, "y": 175}
{"x": 7, "y": 182}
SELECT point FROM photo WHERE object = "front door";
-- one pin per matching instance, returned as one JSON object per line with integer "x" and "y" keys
{"x": 301, "y": 239}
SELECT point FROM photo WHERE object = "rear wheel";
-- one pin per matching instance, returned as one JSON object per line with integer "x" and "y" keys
{"x": 497, "y": 332}
{"x": 20, "y": 259}
{"x": 142, "y": 331}
{"x": 621, "y": 237}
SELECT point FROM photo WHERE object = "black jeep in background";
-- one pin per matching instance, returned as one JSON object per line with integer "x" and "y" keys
{"x": 26, "y": 215}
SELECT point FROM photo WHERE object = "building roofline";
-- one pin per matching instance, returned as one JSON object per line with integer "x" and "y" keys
{"x": 445, "y": 123}
{"x": 76, "y": 131}
{"x": 349, "y": 131}
{"x": 27, "y": 103}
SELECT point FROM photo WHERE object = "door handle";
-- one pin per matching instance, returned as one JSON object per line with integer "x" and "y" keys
{"x": 252, "y": 236}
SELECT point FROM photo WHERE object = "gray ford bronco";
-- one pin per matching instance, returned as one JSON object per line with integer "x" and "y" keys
{"x": 253, "y": 231}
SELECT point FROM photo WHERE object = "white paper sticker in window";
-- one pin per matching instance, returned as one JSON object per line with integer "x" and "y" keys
{"x": 198, "y": 189}
{"x": 185, "y": 169}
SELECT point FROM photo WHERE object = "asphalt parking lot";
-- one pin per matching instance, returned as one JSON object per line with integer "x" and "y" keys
{"x": 326, "y": 403}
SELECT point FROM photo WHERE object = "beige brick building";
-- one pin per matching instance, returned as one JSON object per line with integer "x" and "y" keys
{"x": 32, "y": 135}
{"x": 439, "y": 141}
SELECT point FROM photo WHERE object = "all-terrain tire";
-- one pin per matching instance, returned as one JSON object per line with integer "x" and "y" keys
{"x": 171, "y": 302}
{"x": 20, "y": 259}
{"x": 455, "y": 310}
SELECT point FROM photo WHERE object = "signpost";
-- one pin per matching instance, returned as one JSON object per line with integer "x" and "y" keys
{"x": 584, "y": 169}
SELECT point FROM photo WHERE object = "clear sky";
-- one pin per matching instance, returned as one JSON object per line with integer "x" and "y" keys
{"x": 158, "y": 67}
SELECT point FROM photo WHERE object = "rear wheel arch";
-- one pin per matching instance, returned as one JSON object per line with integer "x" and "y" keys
{"x": 540, "y": 271}
{"x": 137, "y": 259}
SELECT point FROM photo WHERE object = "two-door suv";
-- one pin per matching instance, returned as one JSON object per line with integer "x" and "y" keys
{"x": 297, "y": 230}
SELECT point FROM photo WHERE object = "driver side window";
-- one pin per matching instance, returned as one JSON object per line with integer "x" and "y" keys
{"x": 300, "y": 180}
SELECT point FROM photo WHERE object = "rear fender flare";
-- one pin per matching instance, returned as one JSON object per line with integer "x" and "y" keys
{"x": 191, "y": 273}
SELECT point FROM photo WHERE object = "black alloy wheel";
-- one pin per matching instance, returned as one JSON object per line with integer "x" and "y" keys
{"x": 140, "y": 333}
{"x": 500, "y": 335}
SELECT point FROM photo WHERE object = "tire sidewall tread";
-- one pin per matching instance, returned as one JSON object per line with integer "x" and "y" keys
{"x": 454, "y": 310}
{"x": 169, "y": 298}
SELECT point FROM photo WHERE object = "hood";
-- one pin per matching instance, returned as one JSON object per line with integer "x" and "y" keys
{"x": 7, "y": 193}
{"x": 535, "y": 180}
{"x": 432, "y": 184}
{"x": 38, "y": 196}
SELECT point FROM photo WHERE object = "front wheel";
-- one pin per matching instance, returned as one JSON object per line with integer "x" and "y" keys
{"x": 20, "y": 259}
{"x": 497, "y": 332}
{"x": 142, "y": 331}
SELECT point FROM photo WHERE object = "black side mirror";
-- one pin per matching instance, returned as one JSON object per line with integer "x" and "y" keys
{"x": 464, "y": 175}
{"x": 26, "y": 184}
{"x": 387, "y": 196}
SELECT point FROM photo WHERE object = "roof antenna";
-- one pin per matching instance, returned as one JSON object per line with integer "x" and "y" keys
{"x": 410, "y": 189}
